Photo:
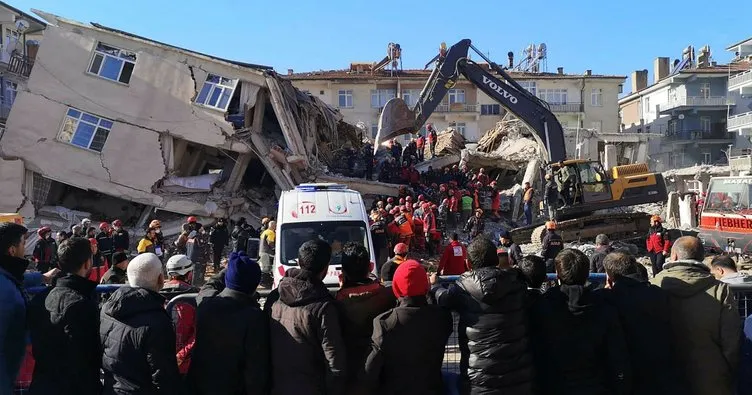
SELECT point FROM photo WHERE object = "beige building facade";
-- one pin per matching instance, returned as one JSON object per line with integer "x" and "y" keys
{"x": 586, "y": 101}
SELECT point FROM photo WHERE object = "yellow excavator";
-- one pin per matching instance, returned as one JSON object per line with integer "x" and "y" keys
{"x": 594, "y": 187}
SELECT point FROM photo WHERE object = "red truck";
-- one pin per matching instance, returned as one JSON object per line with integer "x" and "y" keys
{"x": 726, "y": 217}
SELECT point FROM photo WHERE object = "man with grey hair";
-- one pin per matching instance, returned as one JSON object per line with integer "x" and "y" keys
{"x": 602, "y": 248}
{"x": 705, "y": 324}
{"x": 137, "y": 336}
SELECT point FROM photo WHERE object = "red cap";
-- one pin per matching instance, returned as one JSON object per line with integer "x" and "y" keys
{"x": 44, "y": 229}
{"x": 410, "y": 279}
{"x": 93, "y": 241}
{"x": 400, "y": 248}
{"x": 104, "y": 225}
{"x": 192, "y": 220}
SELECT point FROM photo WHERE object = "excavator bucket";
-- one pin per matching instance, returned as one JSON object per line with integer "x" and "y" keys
{"x": 396, "y": 119}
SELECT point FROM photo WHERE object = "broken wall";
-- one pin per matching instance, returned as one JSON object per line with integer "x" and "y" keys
{"x": 11, "y": 185}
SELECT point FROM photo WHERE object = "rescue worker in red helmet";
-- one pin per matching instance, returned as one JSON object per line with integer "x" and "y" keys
{"x": 45, "y": 250}
{"x": 658, "y": 244}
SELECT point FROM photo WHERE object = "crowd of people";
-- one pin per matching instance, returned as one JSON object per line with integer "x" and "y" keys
{"x": 679, "y": 332}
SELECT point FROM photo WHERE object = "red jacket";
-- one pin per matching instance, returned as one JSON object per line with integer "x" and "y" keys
{"x": 420, "y": 141}
{"x": 453, "y": 261}
{"x": 658, "y": 240}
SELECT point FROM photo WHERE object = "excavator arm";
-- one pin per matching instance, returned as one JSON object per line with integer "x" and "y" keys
{"x": 397, "y": 118}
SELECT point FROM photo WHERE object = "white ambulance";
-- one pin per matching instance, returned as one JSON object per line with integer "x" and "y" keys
{"x": 325, "y": 211}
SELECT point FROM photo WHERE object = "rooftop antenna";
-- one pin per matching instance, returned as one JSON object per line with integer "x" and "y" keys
{"x": 533, "y": 56}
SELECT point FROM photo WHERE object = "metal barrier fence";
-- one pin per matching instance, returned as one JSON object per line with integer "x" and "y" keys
{"x": 452, "y": 355}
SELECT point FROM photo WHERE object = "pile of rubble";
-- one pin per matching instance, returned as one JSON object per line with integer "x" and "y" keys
{"x": 505, "y": 146}
{"x": 449, "y": 142}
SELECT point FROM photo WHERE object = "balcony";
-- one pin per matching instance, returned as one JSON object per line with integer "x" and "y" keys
{"x": 457, "y": 107}
{"x": 742, "y": 82}
{"x": 717, "y": 134}
{"x": 567, "y": 107}
{"x": 20, "y": 65}
{"x": 741, "y": 123}
{"x": 706, "y": 103}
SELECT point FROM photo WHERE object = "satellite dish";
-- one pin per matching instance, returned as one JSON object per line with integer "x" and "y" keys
{"x": 22, "y": 25}
{"x": 681, "y": 116}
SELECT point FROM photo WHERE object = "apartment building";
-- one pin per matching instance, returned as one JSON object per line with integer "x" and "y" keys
{"x": 740, "y": 85}
{"x": 586, "y": 101}
{"x": 685, "y": 109}
{"x": 120, "y": 125}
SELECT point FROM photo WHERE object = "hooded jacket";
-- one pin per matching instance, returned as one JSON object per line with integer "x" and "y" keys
{"x": 737, "y": 278}
{"x": 138, "y": 341}
{"x": 579, "y": 345}
{"x": 64, "y": 322}
{"x": 359, "y": 304}
{"x": 657, "y": 240}
{"x": 705, "y": 326}
{"x": 493, "y": 330}
{"x": 305, "y": 324}
{"x": 13, "y": 300}
{"x": 452, "y": 261}
{"x": 645, "y": 317}
{"x": 232, "y": 353}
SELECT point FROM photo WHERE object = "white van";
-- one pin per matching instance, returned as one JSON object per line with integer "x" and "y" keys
{"x": 330, "y": 212}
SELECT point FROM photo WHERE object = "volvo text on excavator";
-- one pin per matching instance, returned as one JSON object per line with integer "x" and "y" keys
{"x": 594, "y": 188}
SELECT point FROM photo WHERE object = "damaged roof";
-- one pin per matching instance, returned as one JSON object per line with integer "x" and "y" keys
{"x": 423, "y": 74}
{"x": 53, "y": 19}
{"x": 23, "y": 14}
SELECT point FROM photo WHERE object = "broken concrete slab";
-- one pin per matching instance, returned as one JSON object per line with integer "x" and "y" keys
{"x": 438, "y": 162}
{"x": 12, "y": 175}
{"x": 363, "y": 186}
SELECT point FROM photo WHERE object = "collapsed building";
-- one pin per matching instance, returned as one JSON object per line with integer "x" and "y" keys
{"x": 118, "y": 125}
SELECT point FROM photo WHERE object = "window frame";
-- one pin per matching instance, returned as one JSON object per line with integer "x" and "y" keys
{"x": 379, "y": 94}
{"x": 706, "y": 121}
{"x": 490, "y": 109}
{"x": 528, "y": 85}
{"x": 210, "y": 93}
{"x": 596, "y": 97}
{"x": 705, "y": 93}
{"x": 97, "y": 52}
{"x": 454, "y": 94}
{"x": 709, "y": 157}
{"x": 78, "y": 119}
{"x": 562, "y": 94}
{"x": 346, "y": 93}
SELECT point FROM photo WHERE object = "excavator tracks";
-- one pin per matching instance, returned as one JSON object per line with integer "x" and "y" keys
{"x": 616, "y": 226}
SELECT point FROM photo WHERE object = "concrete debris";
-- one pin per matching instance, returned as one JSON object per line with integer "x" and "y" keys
{"x": 505, "y": 146}
{"x": 697, "y": 170}
{"x": 365, "y": 187}
{"x": 438, "y": 162}
{"x": 449, "y": 142}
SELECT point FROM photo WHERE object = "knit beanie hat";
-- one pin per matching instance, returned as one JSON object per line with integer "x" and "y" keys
{"x": 243, "y": 273}
{"x": 410, "y": 279}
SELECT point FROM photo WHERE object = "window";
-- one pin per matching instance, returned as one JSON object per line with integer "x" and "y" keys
{"x": 596, "y": 97}
{"x": 216, "y": 92}
{"x": 85, "y": 130}
{"x": 705, "y": 124}
{"x": 456, "y": 96}
{"x": 706, "y": 158}
{"x": 410, "y": 96}
{"x": 693, "y": 186}
{"x": 321, "y": 92}
{"x": 293, "y": 235}
{"x": 379, "y": 97}
{"x": 459, "y": 126}
{"x": 705, "y": 90}
{"x": 345, "y": 98}
{"x": 647, "y": 105}
{"x": 528, "y": 85}
{"x": 113, "y": 63}
{"x": 676, "y": 160}
{"x": 553, "y": 96}
{"x": 596, "y": 125}
{"x": 490, "y": 109}
{"x": 672, "y": 127}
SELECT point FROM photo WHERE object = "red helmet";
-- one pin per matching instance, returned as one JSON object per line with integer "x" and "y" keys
{"x": 104, "y": 226}
{"x": 192, "y": 220}
{"x": 390, "y": 200}
{"x": 117, "y": 222}
{"x": 409, "y": 199}
{"x": 394, "y": 211}
{"x": 402, "y": 201}
{"x": 93, "y": 241}
{"x": 43, "y": 230}
{"x": 421, "y": 198}
{"x": 403, "y": 208}
{"x": 400, "y": 248}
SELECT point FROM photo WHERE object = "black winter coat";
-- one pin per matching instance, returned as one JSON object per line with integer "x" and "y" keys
{"x": 232, "y": 354}
{"x": 359, "y": 305}
{"x": 552, "y": 245}
{"x": 219, "y": 236}
{"x": 64, "y": 322}
{"x": 645, "y": 316}
{"x": 493, "y": 330}
{"x": 120, "y": 240}
{"x": 309, "y": 352}
{"x": 240, "y": 237}
{"x": 408, "y": 349}
{"x": 104, "y": 242}
{"x": 139, "y": 344}
{"x": 579, "y": 345}
{"x": 114, "y": 275}
{"x": 596, "y": 260}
